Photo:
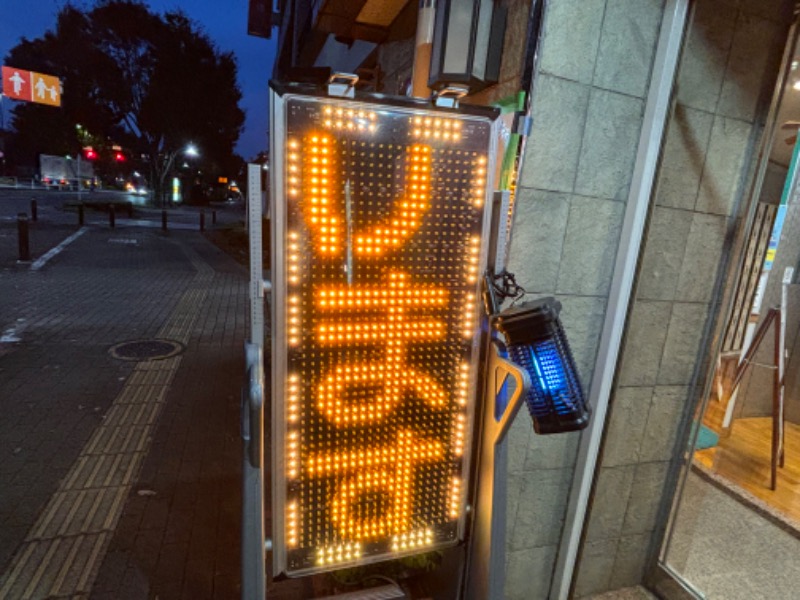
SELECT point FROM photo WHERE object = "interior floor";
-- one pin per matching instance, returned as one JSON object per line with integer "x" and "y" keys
{"x": 744, "y": 459}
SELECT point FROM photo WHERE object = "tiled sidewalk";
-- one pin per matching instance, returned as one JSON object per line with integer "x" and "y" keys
{"x": 153, "y": 512}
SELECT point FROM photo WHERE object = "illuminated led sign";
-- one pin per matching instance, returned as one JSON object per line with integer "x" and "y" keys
{"x": 379, "y": 218}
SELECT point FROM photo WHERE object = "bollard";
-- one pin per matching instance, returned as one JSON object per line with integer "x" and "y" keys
{"x": 80, "y": 215}
{"x": 24, "y": 240}
{"x": 213, "y": 217}
{"x": 34, "y": 210}
{"x": 130, "y": 210}
{"x": 112, "y": 217}
{"x": 164, "y": 220}
{"x": 202, "y": 220}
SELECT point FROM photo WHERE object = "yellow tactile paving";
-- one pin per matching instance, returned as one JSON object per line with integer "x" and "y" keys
{"x": 63, "y": 549}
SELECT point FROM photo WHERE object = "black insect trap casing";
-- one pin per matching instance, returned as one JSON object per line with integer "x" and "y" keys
{"x": 536, "y": 341}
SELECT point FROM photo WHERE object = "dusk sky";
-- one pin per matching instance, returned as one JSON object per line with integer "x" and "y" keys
{"x": 224, "y": 21}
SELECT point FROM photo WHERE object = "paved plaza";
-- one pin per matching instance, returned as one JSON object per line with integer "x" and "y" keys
{"x": 121, "y": 479}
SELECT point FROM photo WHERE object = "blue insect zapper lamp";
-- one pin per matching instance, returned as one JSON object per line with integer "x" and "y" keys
{"x": 536, "y": 341}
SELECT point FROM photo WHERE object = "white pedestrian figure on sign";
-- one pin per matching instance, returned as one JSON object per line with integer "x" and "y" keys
{"x": 41, "y": 87}
{"x": 17, "y": 80}
{"x": 53, "y": 93}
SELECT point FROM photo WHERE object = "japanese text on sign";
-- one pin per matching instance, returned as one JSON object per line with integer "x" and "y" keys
{"x": 374, "y": 391}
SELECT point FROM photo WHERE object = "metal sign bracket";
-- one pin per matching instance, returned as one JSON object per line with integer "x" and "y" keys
{"x": 450, "y": 96}
{"x": 342, "y": 85}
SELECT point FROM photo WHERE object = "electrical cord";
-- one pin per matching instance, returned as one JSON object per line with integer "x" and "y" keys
{"x": 503, "y": 286}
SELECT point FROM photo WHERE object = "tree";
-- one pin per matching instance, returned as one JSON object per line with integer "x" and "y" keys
{"x": 152, "y": 83}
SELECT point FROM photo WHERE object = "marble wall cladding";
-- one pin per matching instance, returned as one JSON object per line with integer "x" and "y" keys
{"x": 682, "y": 346}
{"x": 704, "y": 247}
{"x": 747, "y": 66}
{"x": 705, "y": 55}
{"x": 645, "y": 497}
{"x": 724, "y": 170}
{"x": 551, "y": 452}
{"x": 627, "y": 24}
{"x": 597, "y": 564}
{"x": 590, "y": 244}
{"x": 626, "y": 427}
{"x": 683, "y": 157}
{"x": 528, "y": 573}
{"x": 630, "y": 560}
{"x": 582, "y": 318}
{"x": 609, "y": 145}
{"x": 662, "y": 260}
{"x": 559, "y": 116}
{"x": 647, "y": 332}
{"x": 539, "y": 499}
{"x": 567, "y": 22}
{"x": 663, "y": 419}
{"x": 609, "y": 502}
{"x": 536, "y": 257}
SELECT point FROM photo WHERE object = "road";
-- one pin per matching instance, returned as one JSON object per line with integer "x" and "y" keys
{"x": 60, "y": 208}
{"x": 51, "y": 202}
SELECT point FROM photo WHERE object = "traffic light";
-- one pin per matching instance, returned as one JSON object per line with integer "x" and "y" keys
{"x": 89, "y": 153}
{"x": 119, "y": 157}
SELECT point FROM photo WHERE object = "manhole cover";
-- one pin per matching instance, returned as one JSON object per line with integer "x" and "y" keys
{"x": 138, "y": 350}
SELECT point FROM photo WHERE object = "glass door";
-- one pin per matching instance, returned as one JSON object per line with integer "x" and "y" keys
{"x": 734, "y": 527}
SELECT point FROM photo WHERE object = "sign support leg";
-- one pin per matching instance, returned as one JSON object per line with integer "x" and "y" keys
{"x": 486, "y": 562}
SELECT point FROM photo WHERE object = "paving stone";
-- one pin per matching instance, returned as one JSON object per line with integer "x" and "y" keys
{"x": 62, "y": 383}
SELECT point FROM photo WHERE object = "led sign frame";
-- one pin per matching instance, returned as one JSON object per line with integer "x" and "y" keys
{"x": 380, "y": 212}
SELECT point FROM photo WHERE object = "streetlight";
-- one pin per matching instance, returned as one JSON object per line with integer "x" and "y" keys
{"x": 188, "y": 150}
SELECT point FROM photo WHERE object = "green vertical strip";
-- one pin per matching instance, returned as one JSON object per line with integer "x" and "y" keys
{"x": 792, "y": 175}
{"x": 513, "y": 103}
{"x": 509, "y": 161}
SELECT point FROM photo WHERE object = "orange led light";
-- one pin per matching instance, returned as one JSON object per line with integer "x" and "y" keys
{"x": 374, "y": 394}
{"x": 391, "y": 378}
{"x": 454, "y": 504}
{"x": 412, "y": 540}
{"x": 394, "y": 232}
{"x": 388, "y": 471}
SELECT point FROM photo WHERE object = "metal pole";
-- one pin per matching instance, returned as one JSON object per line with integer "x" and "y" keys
{"x": 487, "y": 553}
{"x": 163, "y": 220}
{"x": 202, "y": 220}
{"x": 253, "y": 549}
{"x": 23, "y": 238}
{"x": 80, "y": 214}
{"x": 777, "y": 413}
{"x": 253, "y": 533}
{"x": 112, "y": 217}
{"x": 80, "y": 183}
{"x": 34, "y": 210}
{"x": 213, "y": 217}
{"x": 422, "y": 49}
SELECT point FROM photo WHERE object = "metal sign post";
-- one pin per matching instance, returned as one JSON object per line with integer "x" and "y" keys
{"x": 505, "y": 386}
{"x": 486, "y": 566}
{"x": 252, "y": 424}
